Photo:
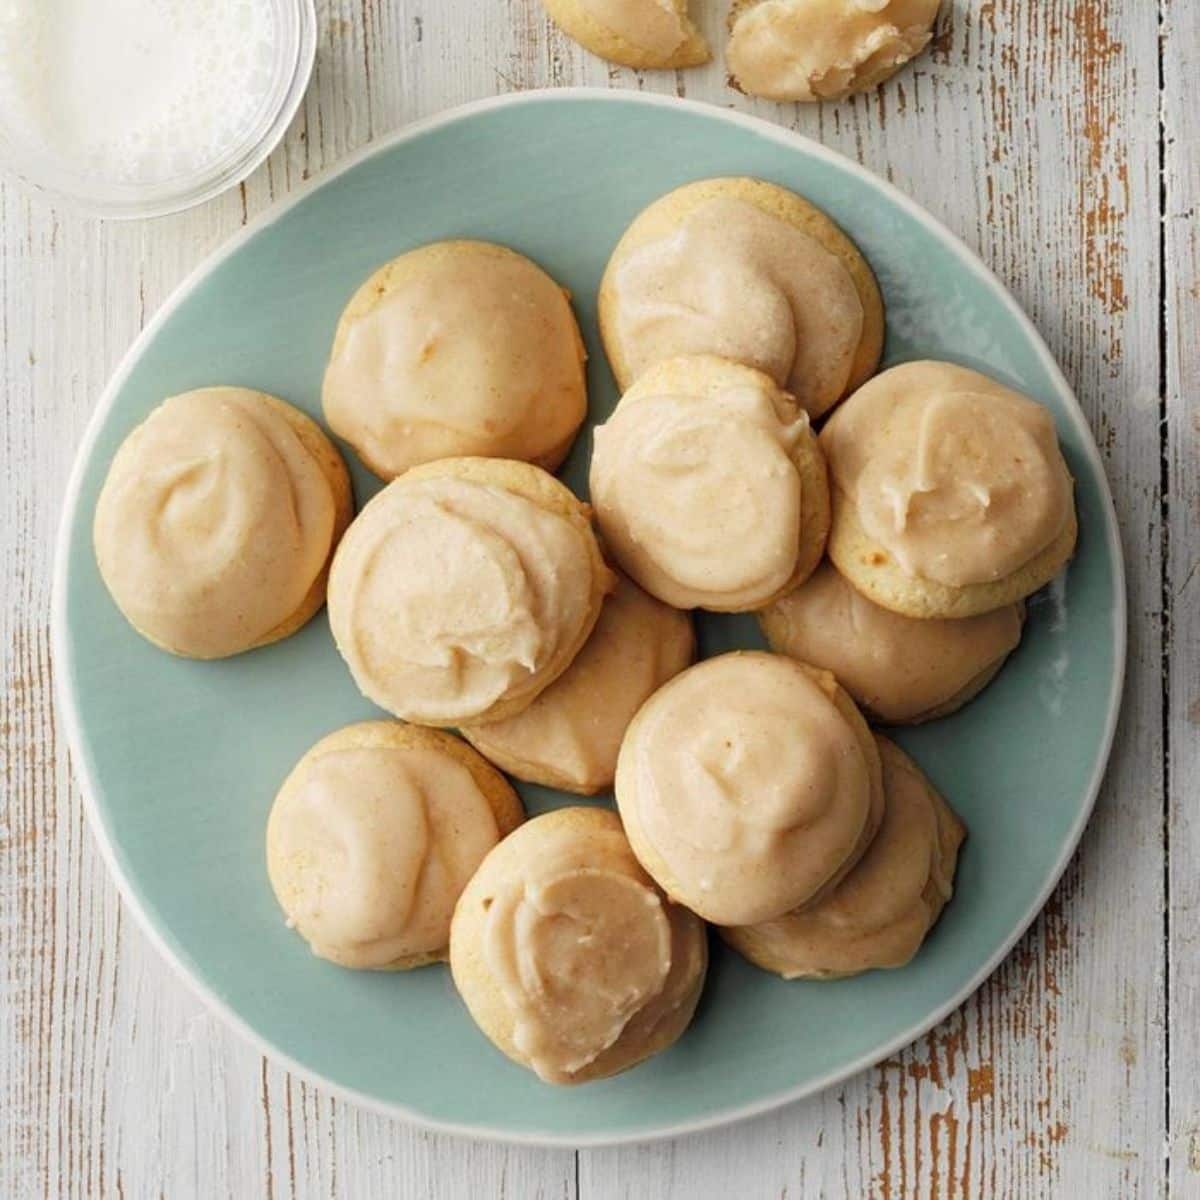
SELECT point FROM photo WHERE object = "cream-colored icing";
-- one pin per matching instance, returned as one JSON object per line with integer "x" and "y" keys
{"x": 447, "y": 596}
{"x": 214, "y": 522}
{"x": 825, "y": 49}
{"x": 698, "y": 497}
{"x": 571, "y": 733}
{"x": 370, "y": 848}
{"x": 584, "y": 950}
{"x": 879, "y": 914}
{"x": 738, "y": 282}
{"x": 470, "y": 350}
{"x": 900, "y": 668}
{"x": 959, "y": 478}
{"x": 656, "y": 26}
{"x": 748, "y": 783}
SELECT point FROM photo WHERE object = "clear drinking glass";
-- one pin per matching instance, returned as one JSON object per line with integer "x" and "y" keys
{"x": 295, "y": 50}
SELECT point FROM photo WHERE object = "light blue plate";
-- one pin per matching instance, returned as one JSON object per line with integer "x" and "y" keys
{"x": 180, "y": 760}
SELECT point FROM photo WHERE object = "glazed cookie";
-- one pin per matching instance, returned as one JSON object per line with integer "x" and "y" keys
{"x": 950, "y": 494}
{"x": 879, "y": 914}
{"x": 568, "y": 956}
{"x": 749, "y": 785}
{"x": 644, "y": 34}
{"x": 709, "y": 486}
{"x": 215, "y": 525}
{"x": 748, "y": 271}
{"x": 464, "y": 589}
{"x": 900, "y": 670}
{"x": 457, "y": 348}
{"x": 374, "y": 835}
{"x": 569, "y": 736}
{"x": 823, "y": 49}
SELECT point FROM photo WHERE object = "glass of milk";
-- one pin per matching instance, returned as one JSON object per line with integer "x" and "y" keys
{"x": 134, "y": 108}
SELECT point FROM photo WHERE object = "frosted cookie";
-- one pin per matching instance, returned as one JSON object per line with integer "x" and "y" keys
{"x": 215, "y": 525}
{"x": 823, "y": 49}
{"x": 900, "y": 670}
{"x": 568, "y": 956}
{"x": 709, "y": 486}
{"x": 748, "y": 271}
{"x": 644, "y": 34}
{"x": 569, "y": 736}
{"x": 465, "y": 588}
{"x": 879, "y": 914}
{"x": 749, "y": 785}
{"x": 457, "y": 348}
{"x": 950, "y": 494}
{"x": 374, "y": 835}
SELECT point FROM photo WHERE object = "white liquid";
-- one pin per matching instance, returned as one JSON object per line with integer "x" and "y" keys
{"x": 134, "y": 91}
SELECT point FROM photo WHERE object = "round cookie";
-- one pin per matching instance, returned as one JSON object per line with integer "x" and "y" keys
{"x": 215, "y": 525}
{"x": 373, "y": 836}
{"x": 643, "y": 34}
{"x": 709, "y": 486}
{"x": 951, "y": 497}
{"x": 749, "y": 271}
{"x": 901, "y": 671}
{"x": 457, "y": 349}
{"x": 748, "y": 786}
{"x": 567, "y": 955}
{"x": 569, "y": 736}
{"x": 811, "y": 50}
{"x": 464, "y": 589}
{"x": 879, "y": 915}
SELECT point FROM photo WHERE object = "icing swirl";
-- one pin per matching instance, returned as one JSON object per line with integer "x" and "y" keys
{"x": 449, "y": 595}
{"x": 735, "y": 281}
{"x": 959, "y": 478}
{"x": 457, "y": 348}
{"x": 589, "y": 958}
{"x": 370, "y": 846}
{"x": 745, "y": 789}
{"x": 215, "y": 522}
{"x": 698, "y": 496}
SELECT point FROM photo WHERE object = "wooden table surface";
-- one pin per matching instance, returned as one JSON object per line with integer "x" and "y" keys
{"x": 1054, "y": 137}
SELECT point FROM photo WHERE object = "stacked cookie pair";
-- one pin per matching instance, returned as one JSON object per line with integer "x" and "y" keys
{"x": 805, "y": 50}
{"x": 475, "y": 591}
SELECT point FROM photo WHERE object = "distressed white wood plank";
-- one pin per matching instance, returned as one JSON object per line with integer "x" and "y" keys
{"x": 1181, "y": 179}
{"x": 1031, "y": 130}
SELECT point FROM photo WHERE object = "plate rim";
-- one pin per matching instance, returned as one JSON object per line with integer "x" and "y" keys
{"x": 61, "y": 659}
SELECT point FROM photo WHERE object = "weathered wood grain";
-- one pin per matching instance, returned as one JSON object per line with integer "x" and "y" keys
{"x": 1180, "y": 413}
{"x": 1032, "y": 130}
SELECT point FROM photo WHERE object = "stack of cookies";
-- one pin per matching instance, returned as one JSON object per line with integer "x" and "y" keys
{"x": 887, "y": 556}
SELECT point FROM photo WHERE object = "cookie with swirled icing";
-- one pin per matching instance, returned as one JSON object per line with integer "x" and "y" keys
{"x": 748, "y": 271}
{"x": 464, "y": 589}
{"x": 951, "y": 496}
{"x": 457, "y": 348}
{"x": 216, "y": 522}
{"x": 568, "y": 956}
{"x": 823, "y": 49}
{"x": 709, "y": 487}
{"x": 749, "y": 785}
{"x": 569, "y": 736}
{"x": 900, "y": 670}
{"x": 879, "y": 915}
{"x": 644, "y": 34}
{"x": 374, "y": 835}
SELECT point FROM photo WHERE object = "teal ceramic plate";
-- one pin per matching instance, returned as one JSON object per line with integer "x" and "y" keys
{"x": 180, "y": 760}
